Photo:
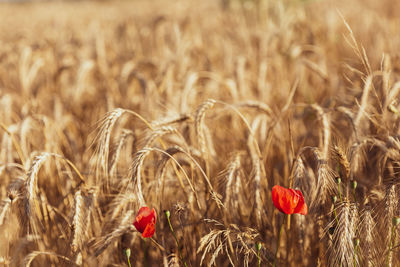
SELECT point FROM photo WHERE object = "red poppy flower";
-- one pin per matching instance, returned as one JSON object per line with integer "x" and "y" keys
{"x": 145, "y": 221}
{"x": 288, "y": 201}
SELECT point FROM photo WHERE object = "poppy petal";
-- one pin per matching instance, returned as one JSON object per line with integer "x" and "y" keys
{"x": 145, "y": 217}
{"x": 140, "y": 222}
{"x": 301, "y": 207}
{"x": 153, "y": 212}
{"x": 149, "y": 230}
{"x": 275, "y": 196}
{"x": 288, "y": 201}
{"x": 284, "y": 199}
{"x": 139, "y": 227}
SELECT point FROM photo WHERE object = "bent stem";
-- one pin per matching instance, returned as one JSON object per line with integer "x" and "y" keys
{"x": 168, "y": 214}
{"x": 278, "y": 242}
{"x": 157, "y": 244}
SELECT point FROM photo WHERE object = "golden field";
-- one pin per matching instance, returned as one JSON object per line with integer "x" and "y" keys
{"x": 197, "y": 109}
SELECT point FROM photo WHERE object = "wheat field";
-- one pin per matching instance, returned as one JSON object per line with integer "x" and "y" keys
{"x": 197, "y": 109}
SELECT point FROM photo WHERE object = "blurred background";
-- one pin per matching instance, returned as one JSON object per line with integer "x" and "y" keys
{"x": 286, "y": 64}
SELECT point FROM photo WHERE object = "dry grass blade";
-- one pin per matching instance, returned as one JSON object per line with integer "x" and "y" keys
{"x": 81, "y": 219}
{"x": 341, "y": 156}
{"x": 4, "y": 207}
{"x": 157, "y": 134}
{"x": 31, "y": 191}
{"x": 31, "y": 257}
{"x": 325, "y": 182}
{"x": 218, "y": 242}
{"x": 342, "y": 248}
{"x": 319, "y": 187}
{"x": 326, "y": 130}
{"x": 199, "y": 124}
{"x": 176, "y": 149}
{"x": 136, "y": 172}
{"x": 167, "y": 121}
{"x": 124, "y": 225}
{"x": 103, "y": 138}
{"x": 369, "y": 238}
{"x": 257, "y": 105}
{"x": 360, "y": 52}
{"x": 173, "y": 260}
{"x": 364, "y": 102}
{"x": 231, "y": 176}
{"x": 15, "y": 143}
{"x": 116, "y": 156}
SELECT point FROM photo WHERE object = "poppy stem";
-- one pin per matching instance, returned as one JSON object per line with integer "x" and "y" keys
{"x": 334, "y": 200}
{"x": 354, "y": 187}
{"x": 168, "y": 214}
{"x": 258, "y": 247}
{"x": 339, "y": 181}
{"x": 279, "y": 241}
{"x": 128, "y": 255}
{"x": 356, "y": 244}
{"x": 288, "y": 222}
{"x": 336, "y": 218}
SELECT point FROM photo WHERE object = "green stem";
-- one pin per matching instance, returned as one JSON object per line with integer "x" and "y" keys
{"x": 145, "y": 252}
{"x": 356, "y": 244}
{"x": 279, "y": 241}
{"x": 167, "y": 213}
{"x": 172, "y": 231}
{"x": 128, "y": 255}
{"x": 334, "y": 200}
{"x": 354, "y": 186}
{"x": 336, "y": 218}
{"x": 340, "y": 192}
{"x": 258, "y": 246}
{"x": 355, "y": 256}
